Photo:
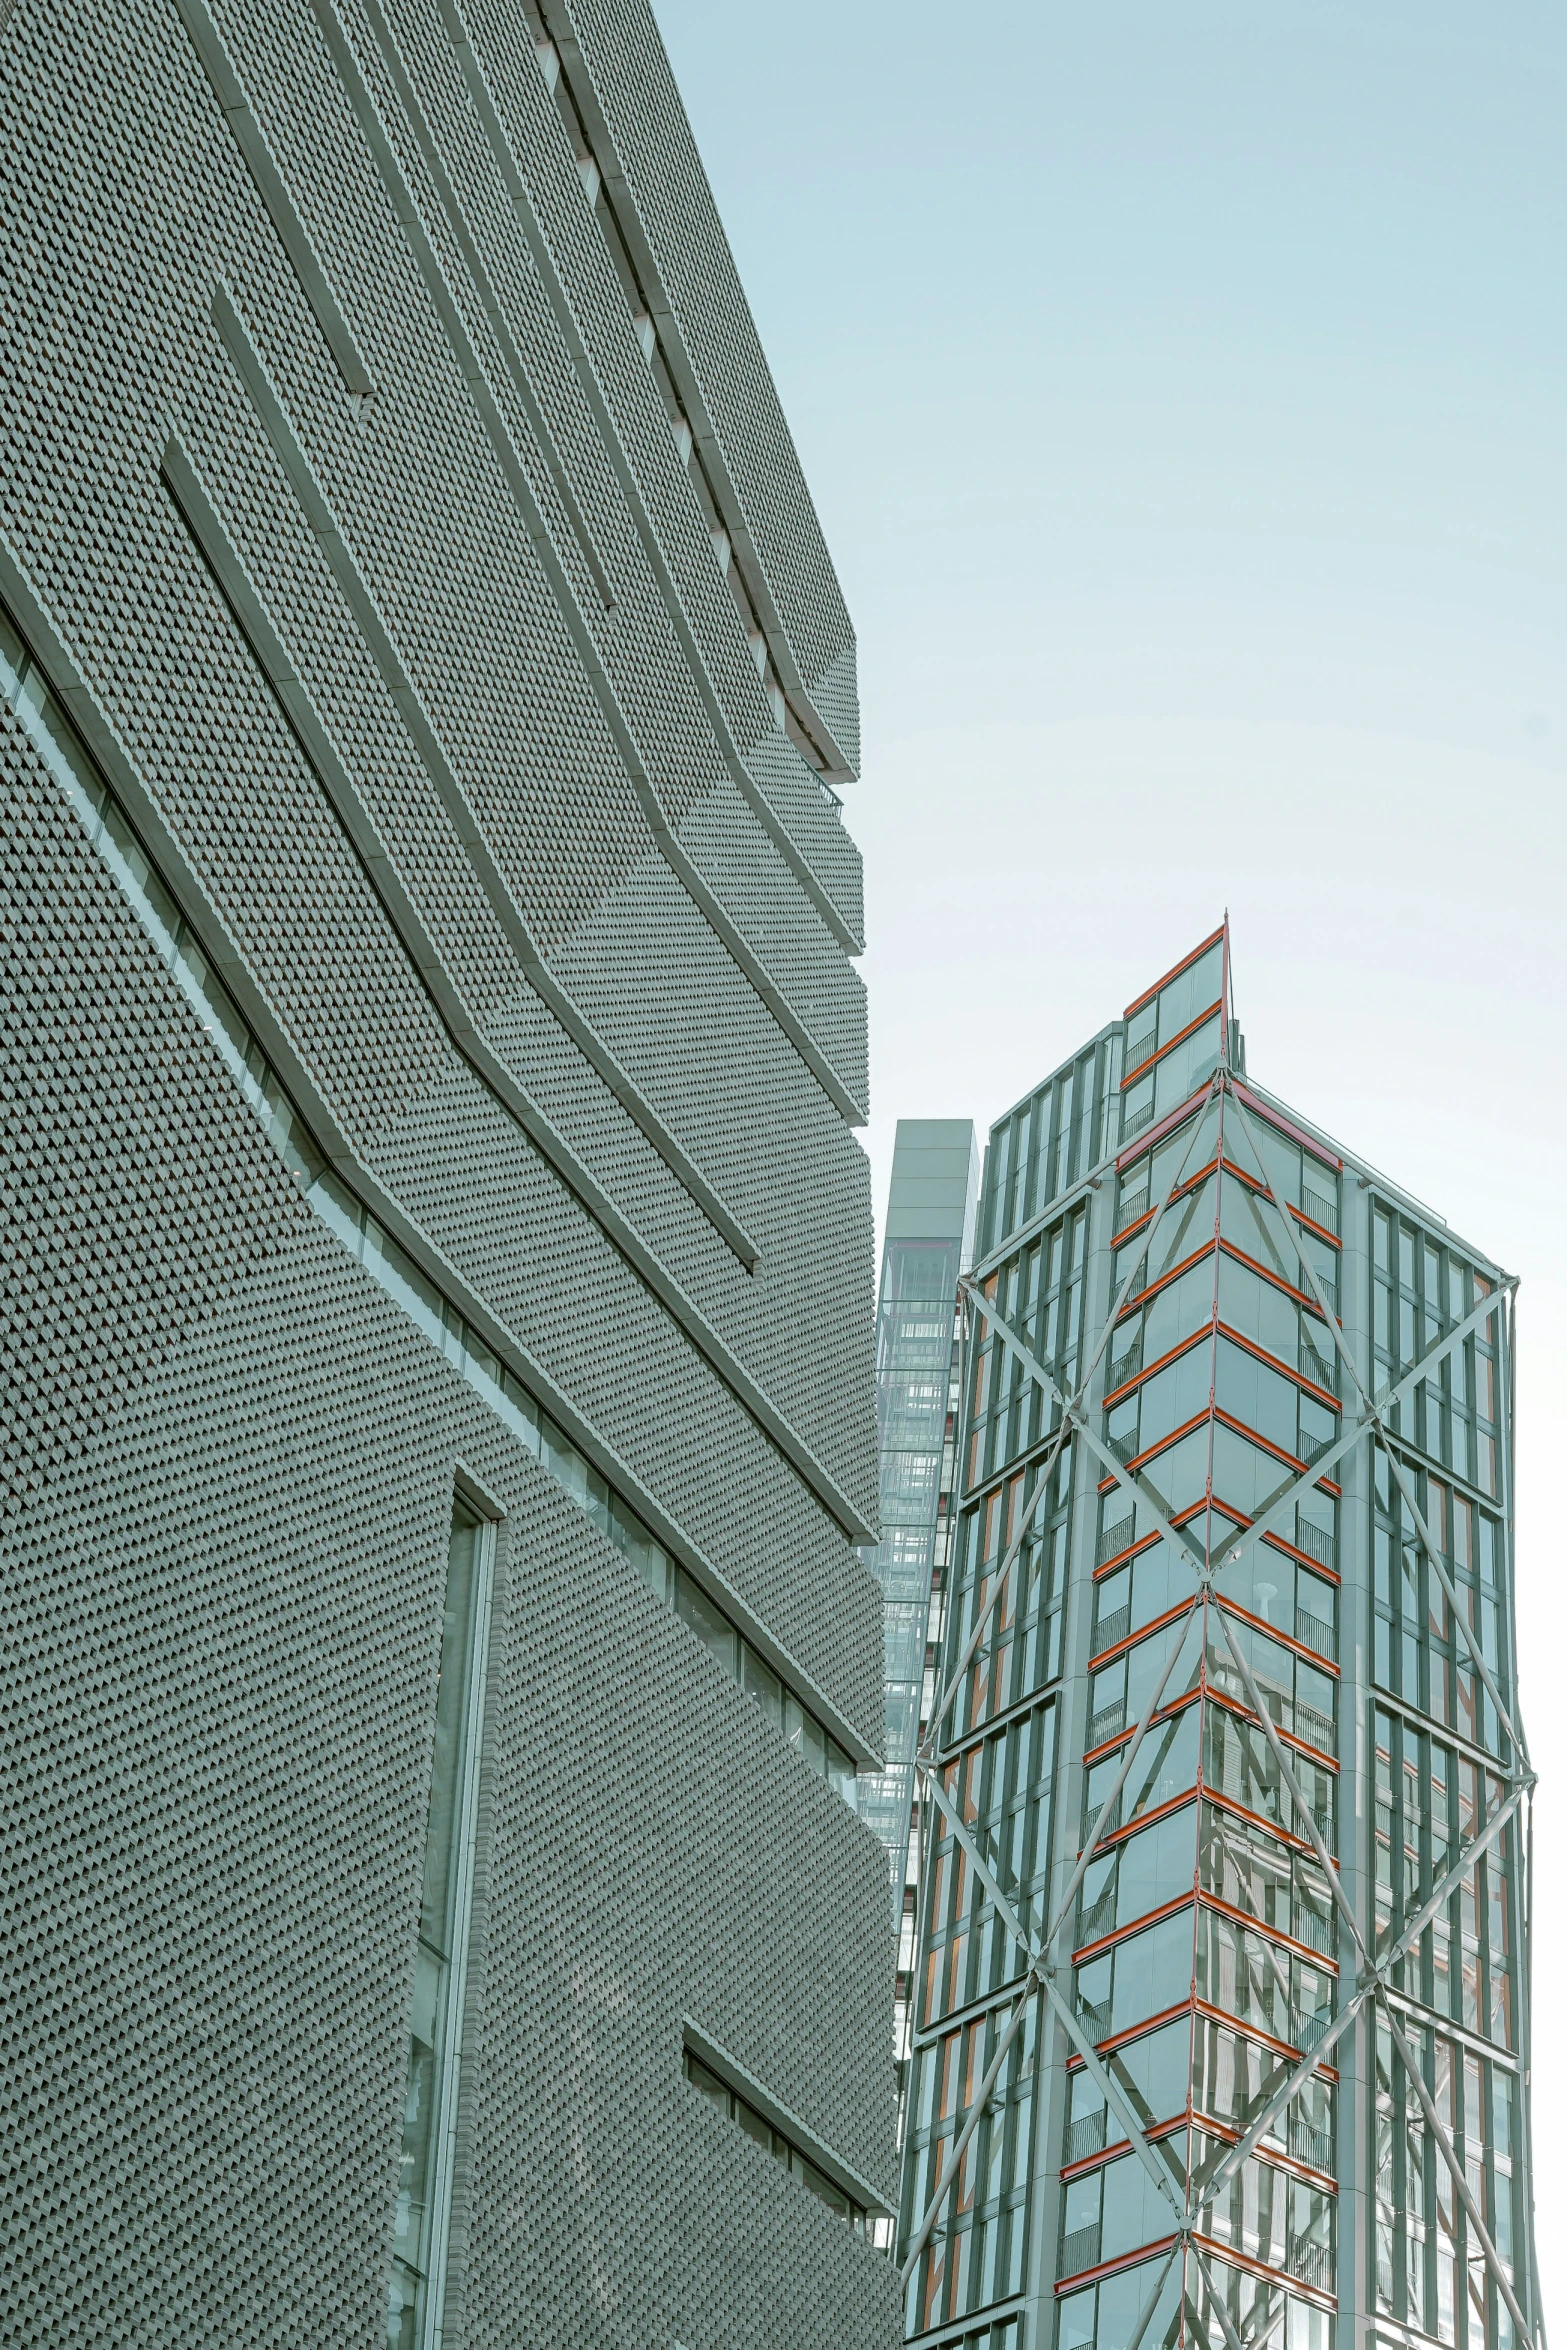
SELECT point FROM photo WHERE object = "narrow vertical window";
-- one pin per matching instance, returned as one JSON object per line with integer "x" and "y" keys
{"x": 424, "y": 2187}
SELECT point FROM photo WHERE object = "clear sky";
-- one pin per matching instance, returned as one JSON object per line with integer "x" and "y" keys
{"x": 1182, "y": 388}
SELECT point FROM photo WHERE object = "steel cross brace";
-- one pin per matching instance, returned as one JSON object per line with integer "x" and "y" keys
{"x": 926, "y": 1764}
{"x": 1373, "y": 1982}
{"x": 1151, "y": 2300}
{"x": 1105, "y": 2082}
{"x": 1368, "y": 1985}
{"x": 1284, "y": 1502}
{"x": 1251, "y": 1535}
{"x": 1449, "y": 2154}
{"x": 1071, "y": 1417}
{"x": 1039, "y": 1968}
{"x": 1372, "y": 1414}
{"x": 1096, "y": 1445}
{"x": 1216, "y": 2303}
{"x": 1039, "y": 1965}
{"x": 1368, "y": 1421}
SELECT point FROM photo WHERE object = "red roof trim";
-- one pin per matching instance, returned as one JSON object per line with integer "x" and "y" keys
{"x": 1151, "y": 1060}
{"x": 1174, "y": 972}
{"x": 1275, "y": 1118}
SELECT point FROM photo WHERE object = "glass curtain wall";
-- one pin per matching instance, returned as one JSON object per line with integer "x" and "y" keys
{"x": 914, "y": 1369}
{"x": 929, "y": 1234}
{"x": 1156, "y": 1262}
{"x": 998, "y": 1739}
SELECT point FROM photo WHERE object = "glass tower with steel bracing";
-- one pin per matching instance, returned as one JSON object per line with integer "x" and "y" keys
{"x": 1222, "y": 2018}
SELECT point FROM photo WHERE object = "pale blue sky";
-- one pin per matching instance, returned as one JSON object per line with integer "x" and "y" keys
{"x": 1151, "y": 356}
{"x": 1183, "y": 389}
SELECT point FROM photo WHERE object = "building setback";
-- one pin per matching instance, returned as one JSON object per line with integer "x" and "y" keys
{"x": 436, "y": 1390}
{"x": 1222, "y": 2013}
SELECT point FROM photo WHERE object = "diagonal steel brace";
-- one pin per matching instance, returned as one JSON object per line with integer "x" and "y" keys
{"x": 982, "y": 2097}
{"x": 1408, "y": 1935}
{"x": 1297, "y": 1796}
{"x": 1038, "y": 1971}
{"x": 1039, "y": 1964}
{"x": 1071, "y": 1418}
{"x": 1449, "y": 2154}
{"x": 1109, "y": 2089}
{"x": 1372, "y": 1413}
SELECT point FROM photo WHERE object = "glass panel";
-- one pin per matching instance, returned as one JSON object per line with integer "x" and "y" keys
{"x": 761, "y": 1682}
{"x": 693, "y": 1607}
{"x": 423, "y": 2189}
{"x": 451, "y": 1719}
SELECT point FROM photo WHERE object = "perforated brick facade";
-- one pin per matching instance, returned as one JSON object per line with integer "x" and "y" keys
{"x": 421, "y": 665}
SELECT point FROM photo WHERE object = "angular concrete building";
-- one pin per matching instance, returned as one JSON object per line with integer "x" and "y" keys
{"x": 1221, "y": 2031}
{"x": 436, "y": 1388}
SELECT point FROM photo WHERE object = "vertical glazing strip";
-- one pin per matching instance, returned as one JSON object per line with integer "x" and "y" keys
{"x": 417, "y": 2289}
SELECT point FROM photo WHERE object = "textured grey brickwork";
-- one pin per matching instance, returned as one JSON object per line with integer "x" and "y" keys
{"x": 631, "y": 75}
{"x": 226, "y": 1455}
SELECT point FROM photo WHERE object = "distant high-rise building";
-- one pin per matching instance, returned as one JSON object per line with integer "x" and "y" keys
{"x": 437, "y": 1436}
{"x": 1222, "y": 2018}
{"x": 927, "y": 1240}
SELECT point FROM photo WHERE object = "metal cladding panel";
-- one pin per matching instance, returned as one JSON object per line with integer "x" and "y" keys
{"x": 601, "y": 315}
{"x": 133, "y": 1197}
{"x": 836, "y": 694}
{"x": 227, "y": 1619}
{"x": 587, "y": 878}
{"x": 736, "y": 857}
{"x": 814, "y": 822}
{"x": 494, "y": 1210}
{"x": 642, "y": 105}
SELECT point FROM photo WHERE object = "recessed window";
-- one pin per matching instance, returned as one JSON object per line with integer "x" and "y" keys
{"x": 424, "y": 2180}
{"x": 756, "y": 2126}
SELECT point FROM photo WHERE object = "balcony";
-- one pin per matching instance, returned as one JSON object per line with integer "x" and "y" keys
{"x": 1108, "y": 1722}
{"x": 1125, "y": 1367}
{"x": 1116, "y": 1538}
{"x": 1137, "y": 1121}
{"x": 1315, "y": 1544}
{"x": 1314, "y": 1631}
{"x": 1085, "y": 2136}
{"x": 1315, "y": 1728}
{"x": 1319, "y": 1208}
{"x": 1312, "y": 1928}
{"x": 1115, "y": 1627}
{"x": 1079, "y": 2250}
{"x": 1313, "y": 2264}
{"x": 1096, "y": 1921}
{"x": 1130, "y": 1209}
{"x": 1309, "y": 2144}
{"x": 1094, "y": 2020}
{"x": 1112, "y": 1819}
